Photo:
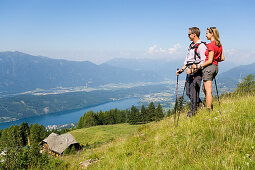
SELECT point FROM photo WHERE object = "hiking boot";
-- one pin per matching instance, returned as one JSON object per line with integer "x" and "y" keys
{"x": 189, "y": 114}
{"x": 201, "y": 105}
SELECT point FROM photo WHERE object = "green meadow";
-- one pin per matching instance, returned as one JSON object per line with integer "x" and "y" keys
{"x": 98, "y": 135}
{"x": 205, "y": 141}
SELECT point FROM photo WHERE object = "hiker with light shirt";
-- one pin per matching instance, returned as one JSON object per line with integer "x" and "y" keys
{"x": 195, "y": 56}
{"x": 214, "y": 54}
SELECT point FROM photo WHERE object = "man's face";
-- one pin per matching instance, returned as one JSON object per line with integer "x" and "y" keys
{"x": 191, "y": 36}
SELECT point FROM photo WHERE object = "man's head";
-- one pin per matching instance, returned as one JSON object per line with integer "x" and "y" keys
{"x": 194, "y": 33}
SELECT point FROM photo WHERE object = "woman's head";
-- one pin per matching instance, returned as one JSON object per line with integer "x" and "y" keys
{"x": 212, "y": 33}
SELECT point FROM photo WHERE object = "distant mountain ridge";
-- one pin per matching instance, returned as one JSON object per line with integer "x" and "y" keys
{"x": 23, "y": 72}
{"x": 164, "y": 68}
{"x": 231, "y": 77}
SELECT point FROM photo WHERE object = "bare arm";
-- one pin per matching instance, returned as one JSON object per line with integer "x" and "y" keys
{"x": 210, "y": 59}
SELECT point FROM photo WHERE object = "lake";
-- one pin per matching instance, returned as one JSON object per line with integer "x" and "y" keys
{"x": 66, "y": 117}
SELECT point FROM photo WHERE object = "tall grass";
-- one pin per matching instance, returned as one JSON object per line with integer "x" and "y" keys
{"x": 205, "y": 141}
{"x": 96, "y": 137}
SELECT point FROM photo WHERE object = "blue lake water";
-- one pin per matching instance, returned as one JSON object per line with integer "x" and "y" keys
{"x": 65, "y": 117}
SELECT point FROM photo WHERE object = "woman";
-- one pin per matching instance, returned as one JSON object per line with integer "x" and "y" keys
{"x": 214, "y": 54}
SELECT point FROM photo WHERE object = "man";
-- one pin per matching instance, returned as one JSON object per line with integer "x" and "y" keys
{"x": 196, "y": 55}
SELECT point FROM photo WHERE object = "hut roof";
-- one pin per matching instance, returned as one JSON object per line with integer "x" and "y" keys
{"x": 58, "y": 143}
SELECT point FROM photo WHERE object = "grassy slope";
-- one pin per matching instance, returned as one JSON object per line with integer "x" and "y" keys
{"x": 102, "y": 134}
{"x": 95, "y": 137}
{"x": 206, "y": 141}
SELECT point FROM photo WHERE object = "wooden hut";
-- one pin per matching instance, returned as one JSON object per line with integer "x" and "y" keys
{"x": 56, "y": 144}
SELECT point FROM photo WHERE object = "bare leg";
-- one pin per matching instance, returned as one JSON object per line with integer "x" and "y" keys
{"x": 208, "y": 93}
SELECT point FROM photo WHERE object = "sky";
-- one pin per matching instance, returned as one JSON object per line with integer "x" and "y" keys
{"x": 100, "y": 30}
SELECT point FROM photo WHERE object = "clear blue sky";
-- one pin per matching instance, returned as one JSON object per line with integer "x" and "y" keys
{"x": 98, "y": 30}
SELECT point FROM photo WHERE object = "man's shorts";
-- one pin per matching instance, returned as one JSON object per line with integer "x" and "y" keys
{"x": 209, "y": 72}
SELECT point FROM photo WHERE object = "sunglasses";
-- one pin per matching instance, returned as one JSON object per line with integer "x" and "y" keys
{"x": 211, "y": 29}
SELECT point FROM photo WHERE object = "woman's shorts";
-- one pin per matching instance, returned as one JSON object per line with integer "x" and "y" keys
{"x": 209, "y": 72}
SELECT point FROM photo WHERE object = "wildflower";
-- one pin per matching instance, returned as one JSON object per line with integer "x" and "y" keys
{"x": 210, "y": 119}
{"x": 215, "y": 118}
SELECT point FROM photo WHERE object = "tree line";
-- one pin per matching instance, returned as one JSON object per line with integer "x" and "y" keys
{"x": 116, "y": 116}
{"x": 20, "y": 143}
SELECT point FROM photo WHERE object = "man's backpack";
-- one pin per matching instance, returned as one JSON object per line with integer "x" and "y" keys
{"x": 196, "y": 47}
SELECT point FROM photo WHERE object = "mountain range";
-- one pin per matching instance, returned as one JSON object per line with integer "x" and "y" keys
{"x": 164, "y": 68}
{"x": 229, "y": 73}
{"x": 233, "y": 76}
{"x": 21, "y": 72}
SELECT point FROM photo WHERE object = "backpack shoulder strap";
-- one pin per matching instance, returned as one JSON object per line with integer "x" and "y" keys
{"x": 196, "y": 47}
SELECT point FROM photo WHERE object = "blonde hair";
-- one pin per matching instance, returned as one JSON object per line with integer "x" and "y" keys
{"x": 215, "y": 32}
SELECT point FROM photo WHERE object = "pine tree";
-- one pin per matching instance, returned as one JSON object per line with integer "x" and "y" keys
{"x": 35, "y": 134}
{"x": 143, "y": 114}
{"x": 4, "y": 138}
{"x": 247, "y": 85}
{"x": 133, "y": 116}
{"x": 151, "y": 112}
{"x": 159, "y": 113}
{"x": 35, "y": 153}
{"x": 101, "y": 120}
{"x": 24, "y": 132}
{"x": 80, "y": 123}
{"x": 169, "y": 112}
{"x": 111, "y": 118}
{"x": 118, "y": 116}
{"x": 90, "y": 119}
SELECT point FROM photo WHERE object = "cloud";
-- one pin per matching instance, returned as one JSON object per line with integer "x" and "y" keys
{"x": 152, "y": 49}
{"x": 170, "y": 51}
{"x": 238, "y": 56}
{"x": 174, "y": 49}
{"x": 230, "y": 52}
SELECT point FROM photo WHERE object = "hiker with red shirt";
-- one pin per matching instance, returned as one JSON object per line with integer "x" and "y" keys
{"x": 214, "y": 54}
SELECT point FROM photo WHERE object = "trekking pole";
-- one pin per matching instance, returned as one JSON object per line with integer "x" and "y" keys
{"x": 217, "y": 92}
{"x": 176, "y": 96}
{"x": 179, "y": 111}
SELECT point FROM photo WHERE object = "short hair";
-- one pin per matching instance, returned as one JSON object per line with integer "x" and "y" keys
{"x": 195, "y": 30}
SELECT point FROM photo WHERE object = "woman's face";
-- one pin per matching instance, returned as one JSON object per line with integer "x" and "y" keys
{"x": 208, "y": 35}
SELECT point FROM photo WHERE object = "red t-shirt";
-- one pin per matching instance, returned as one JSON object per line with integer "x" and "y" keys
{"x": 217, "y": 52}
